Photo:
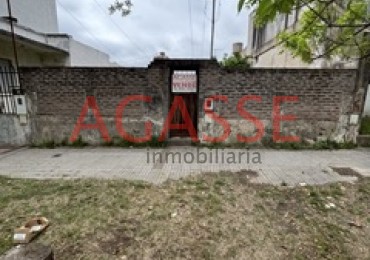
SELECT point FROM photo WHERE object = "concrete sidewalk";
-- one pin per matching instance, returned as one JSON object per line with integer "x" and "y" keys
{"x": 273, "y": 166}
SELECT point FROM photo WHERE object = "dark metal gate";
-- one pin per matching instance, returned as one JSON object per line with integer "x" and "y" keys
{"x": 184, "y": 84}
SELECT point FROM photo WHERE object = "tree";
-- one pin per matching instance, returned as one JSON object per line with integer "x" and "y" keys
{"x": 124, "y": 7}
{"x": 235, "y": 61}
{"x": 326, "y": 28}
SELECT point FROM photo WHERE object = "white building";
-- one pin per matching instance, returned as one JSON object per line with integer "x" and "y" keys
{"x": 265, "y": 51}
{"x": 39, "y": 42}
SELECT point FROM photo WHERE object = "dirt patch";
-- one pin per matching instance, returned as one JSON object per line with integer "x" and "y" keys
{"x": 345, "y": 171}
{"x": 118, "y": 238}
{"x": 244, "y": 176}
{"x": 116, "y": 242}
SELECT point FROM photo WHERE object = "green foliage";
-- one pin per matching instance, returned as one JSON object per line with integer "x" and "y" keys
{"x": 320, "y": 145}
{"x": 47, "y": 144}
{"x": 52, "y": 144}
{"x": 79, "y": 143}
{"x": 267, "y": 142}
{"x": 267, "y": 10}
{"x": 326, "y": 29}
{"x": 332, "y": 145}
{"x": 115, "y": 142}
{"x": 365, "y": 126}
{"x": 120, "y": 142}
{"x": 235, "y": 61}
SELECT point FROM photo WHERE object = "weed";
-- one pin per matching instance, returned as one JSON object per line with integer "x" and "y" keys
{"x": 332, "y": 145}
{"x": 115, "y": 142}
{"x": 154, "y": 143}
{"x": 79, "y": 143}
{"x": 267, "y": 142}
{"x": 316, "y": 199}
{"x": 48, "y": 144}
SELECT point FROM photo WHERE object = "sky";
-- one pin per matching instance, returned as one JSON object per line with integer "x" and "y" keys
{"x": 180, "y": 28}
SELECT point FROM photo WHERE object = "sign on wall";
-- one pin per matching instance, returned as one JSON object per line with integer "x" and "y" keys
{"x": 184, "y": 81}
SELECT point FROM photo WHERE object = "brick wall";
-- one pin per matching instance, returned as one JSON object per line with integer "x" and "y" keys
{"x": 323, "y": 110}
{"x": 320, "y": 92}
{"x": 57, "y": 95}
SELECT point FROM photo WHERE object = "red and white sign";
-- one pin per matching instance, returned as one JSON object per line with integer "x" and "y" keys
{"x": 184, "y": 81}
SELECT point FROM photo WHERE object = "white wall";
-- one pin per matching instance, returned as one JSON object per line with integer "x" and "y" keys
{"x": 82, "y": 55}
{"x": 28, "y": 57}
{"x": 79, "y": 54}
{"x": 279, "y": 58}
{"x": 249, "y": 50}
{"x": 367, "y": 102}
{"x": 25, "y": 57}
{"x": 39, "y": 15}
{"x": 12, "y": 132}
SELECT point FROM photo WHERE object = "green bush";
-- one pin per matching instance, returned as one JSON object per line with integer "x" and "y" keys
{"x": 235, "y": 61}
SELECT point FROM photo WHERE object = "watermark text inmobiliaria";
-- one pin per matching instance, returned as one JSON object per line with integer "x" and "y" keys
{"x": 204, "y": 156}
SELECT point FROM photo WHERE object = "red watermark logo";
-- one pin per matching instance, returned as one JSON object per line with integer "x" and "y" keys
{"x": 179, "y": 104}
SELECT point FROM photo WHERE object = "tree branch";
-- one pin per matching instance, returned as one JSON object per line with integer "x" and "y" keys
{"x": 333, "y": 48}
{"x": 328, "y": 22}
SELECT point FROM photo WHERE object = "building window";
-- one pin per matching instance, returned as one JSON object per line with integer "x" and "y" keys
{"x": 259, "y": 37}
{"x": 254, "y": 38}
